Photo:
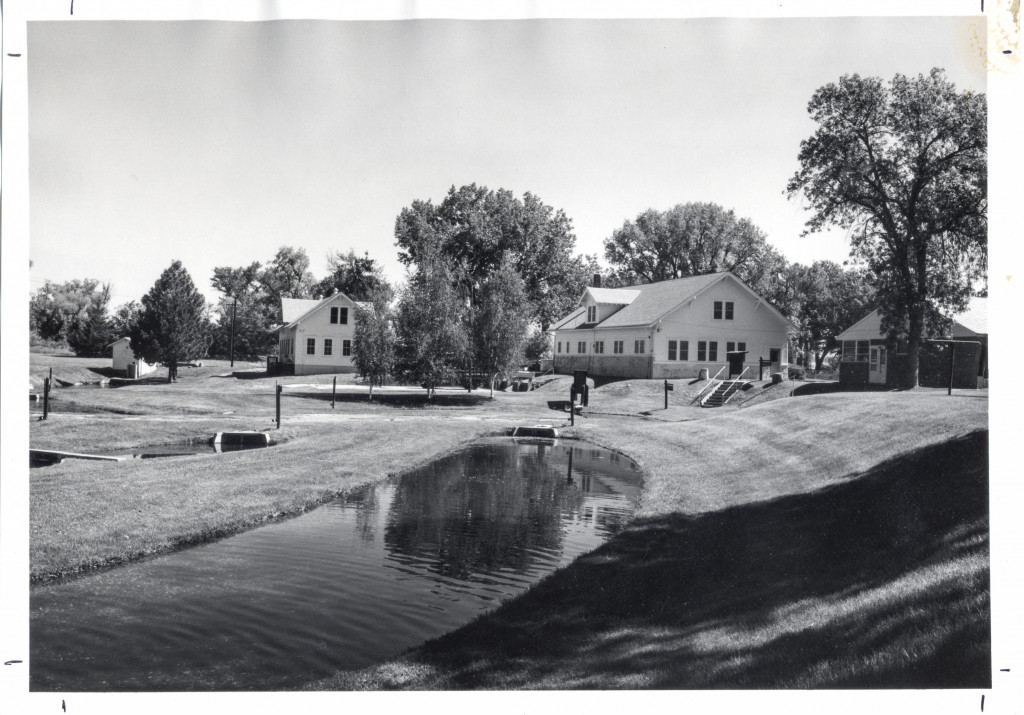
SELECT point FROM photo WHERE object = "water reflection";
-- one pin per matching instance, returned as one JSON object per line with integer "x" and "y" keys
{"x": 345, "y": 586}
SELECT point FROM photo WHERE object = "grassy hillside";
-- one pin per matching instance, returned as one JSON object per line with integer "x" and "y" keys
{"x": 837, "y": 542}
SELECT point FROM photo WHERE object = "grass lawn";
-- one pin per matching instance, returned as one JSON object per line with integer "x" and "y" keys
{"x": 832, "y": 540}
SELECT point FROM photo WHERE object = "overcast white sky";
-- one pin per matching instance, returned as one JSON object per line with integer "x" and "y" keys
{"x": 217, "y": 142}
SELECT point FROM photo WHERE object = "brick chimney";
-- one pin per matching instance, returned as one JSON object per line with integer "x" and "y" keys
{"x": 597, "y": 280}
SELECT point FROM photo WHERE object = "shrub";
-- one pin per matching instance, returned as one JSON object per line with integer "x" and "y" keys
{"x": 796, "y": 372}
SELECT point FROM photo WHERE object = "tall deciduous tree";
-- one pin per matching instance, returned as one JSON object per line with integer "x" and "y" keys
{"x": 500, "y": 323}
{"x": 474, "y": 227}
{"x": 287, "y": 276}
{"x": 431, "y": 324}
{"x": 358, "y": 277}
{"x": 74, "y": 312}
{"x": 687, "y": 240}
{"x": 173, "y": 326}
{"x": 374, "y": 337}
{"x": 903, "y": 168}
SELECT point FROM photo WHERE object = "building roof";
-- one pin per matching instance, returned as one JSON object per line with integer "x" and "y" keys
{"x": 572, "y": 320}
{"x": 975, "y": 318}
{"x": 973, "y": 321}
{"x": 612, "y": 296}
{"x": 295, "y": 309}
{"x": 119, "y": 340}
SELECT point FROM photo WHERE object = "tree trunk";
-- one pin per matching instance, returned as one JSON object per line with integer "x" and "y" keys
{"x": 492, "y": 386}
{"x": 371, "y": 389}
{"x": 908, "y": 380}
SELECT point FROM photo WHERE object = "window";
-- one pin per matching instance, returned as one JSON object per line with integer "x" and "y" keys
{"x": 592, "y": 314}
{"x": 735, "y": 347}
{"x": 718, "y": 310}
{"x": 849, "y": 350}
{"x": 671, "y": 349}
{"x": 728, "y": 310}
{"x": 334, "y": 315}
{"x": 702, "y": 350}
{"x": 684, "y": 350}
{"x": 729, "y": 347}
{"x": 581, "y": 347}
{"x": 343, "y": 316}
{"x": 863, "y": 346}
{"x": 346, "y": 347}
{"x": 328, "y": 346}
{"x": 712, "y": 351}
{"x": 617, "y": 347}
{"x": 599, "y": 346}
{"x": 742, "y": 347}
{"x": 638, "y": 347}
{"x": 311, "y": 346}
{"x": 559, "y": 346}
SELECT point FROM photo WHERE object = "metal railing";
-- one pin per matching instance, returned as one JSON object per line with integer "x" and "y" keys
{"x": 710, "y": 383}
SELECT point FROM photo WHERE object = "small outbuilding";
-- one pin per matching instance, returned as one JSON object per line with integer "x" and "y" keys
{"x": 868, "y": 356}
{"x": 125, "y": 361}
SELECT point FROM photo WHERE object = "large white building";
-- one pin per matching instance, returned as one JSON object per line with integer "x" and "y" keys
{"x": 317, "y": 335}
{"x": 671, "y": 329}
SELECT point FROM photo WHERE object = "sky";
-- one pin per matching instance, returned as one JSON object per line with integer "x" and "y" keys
{"x": 215, "y": 143}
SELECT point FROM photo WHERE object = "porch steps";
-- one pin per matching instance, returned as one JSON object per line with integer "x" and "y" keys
{"x": 723, "y": 393}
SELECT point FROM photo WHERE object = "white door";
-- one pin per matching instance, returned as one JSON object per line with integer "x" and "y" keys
{"x": 876, "y": 367}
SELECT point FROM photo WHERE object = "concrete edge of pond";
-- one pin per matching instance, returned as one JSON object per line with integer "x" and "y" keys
{"x": 179, "y": 543}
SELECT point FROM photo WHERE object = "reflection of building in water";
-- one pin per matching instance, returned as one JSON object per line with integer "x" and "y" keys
{"x": 608, "y": 481}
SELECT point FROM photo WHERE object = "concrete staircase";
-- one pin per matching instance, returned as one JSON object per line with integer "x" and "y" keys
{"x": 722, "y": 393}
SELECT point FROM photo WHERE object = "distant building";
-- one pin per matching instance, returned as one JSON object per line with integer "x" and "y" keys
{"x": 867, "y": 354}
{"x": 672, "y": 329}
{"x": 125, "y": 361}
{"x": 317, "y": 335}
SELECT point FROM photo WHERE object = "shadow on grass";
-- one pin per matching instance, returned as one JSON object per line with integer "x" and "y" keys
{"x": 877, "y": 582}
{"x": 107, "y": 371}
{"x": 389, "y": 399}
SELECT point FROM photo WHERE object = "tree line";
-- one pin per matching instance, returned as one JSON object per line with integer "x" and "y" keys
{"x": 901, "y": 167}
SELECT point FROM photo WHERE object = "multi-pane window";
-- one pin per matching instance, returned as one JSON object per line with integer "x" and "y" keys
{"x": 617, "y": 347}
{"x": 734, "y": 347}
{"x": 311, "y": 346}
{"x": 334, "y": 315}
{"x": 559, "y": 346}
{"x": 346, "y": 347}
{"x": 728, "y": 310}
{"x": 581, "y": 346}
{"x": 702, "y": 350}
{"x": 638, "y": 347}
{"x": 712, "y": 351}
{"x": 849, "y": 350}
{"x": 592, "y": 314}
{"x": 328, "y": 346}
{"x": 599, "y": 346}
{"x": 718, "y": 310}
{"x": 863, "y": 346}
{"x": 671, "y": 349}
{"x": 684, "y": 350}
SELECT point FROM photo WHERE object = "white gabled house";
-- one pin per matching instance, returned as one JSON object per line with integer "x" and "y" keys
{"x": 672, "y": 329}
{"x": 125, "y": 361}
{"x": 317, "y": 335}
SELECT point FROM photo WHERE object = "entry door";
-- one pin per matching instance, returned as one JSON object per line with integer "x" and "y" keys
{"x": 876, "y": 366}
{"x": 775, "y": 355}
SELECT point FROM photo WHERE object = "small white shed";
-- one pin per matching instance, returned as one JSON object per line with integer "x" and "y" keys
{"x": 125, "y": 361}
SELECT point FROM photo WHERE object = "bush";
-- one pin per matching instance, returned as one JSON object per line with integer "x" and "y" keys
{"x": 796, "y": 372}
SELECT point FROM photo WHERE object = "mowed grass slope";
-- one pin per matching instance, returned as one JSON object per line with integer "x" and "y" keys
{"x": 838, "y": 543}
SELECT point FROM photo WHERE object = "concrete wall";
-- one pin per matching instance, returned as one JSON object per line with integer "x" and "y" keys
{"x": 624, "y": 366}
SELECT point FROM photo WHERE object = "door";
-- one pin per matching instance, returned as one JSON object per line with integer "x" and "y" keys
{"x": 876, "y": 365}
{"x": 775, "y": 355}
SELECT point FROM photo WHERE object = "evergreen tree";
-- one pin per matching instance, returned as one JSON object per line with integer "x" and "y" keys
{"x": 173, "y": 326}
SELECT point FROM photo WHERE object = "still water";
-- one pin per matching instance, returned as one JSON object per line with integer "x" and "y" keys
{"x": 354, "y": 582}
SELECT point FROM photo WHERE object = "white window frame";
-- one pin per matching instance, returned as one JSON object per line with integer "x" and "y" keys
{"x": 618, "y": 347}
{"x": 639, "y": 346}
{"x": 328, "y": 347}
{"x": 311, "y": 346}
{"x": 581, "y": 347}
{"x": 346, "y": 348}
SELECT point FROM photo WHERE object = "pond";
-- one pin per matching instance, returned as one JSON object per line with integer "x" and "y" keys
{"x": 349, "y": 584}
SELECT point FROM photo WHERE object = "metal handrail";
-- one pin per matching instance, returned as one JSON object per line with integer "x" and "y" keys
{"x": 737, "y": 379}
{"x": 710, "y": 383}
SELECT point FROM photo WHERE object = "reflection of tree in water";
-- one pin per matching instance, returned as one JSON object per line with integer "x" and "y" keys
{"x": 488, "y": 508}
{"x": 364, "y": 501}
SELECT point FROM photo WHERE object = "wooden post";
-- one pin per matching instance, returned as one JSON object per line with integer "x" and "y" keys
{"x": 278, "y": 391}
{"x": 952, "y": 353}
{"x": 46, "y": 396}
{"x": 334, "y": 389}
{"x": 572, "y": 405}
{"x": 666, "y": 394}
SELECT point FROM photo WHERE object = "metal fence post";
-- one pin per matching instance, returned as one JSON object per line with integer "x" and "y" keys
{"x": 334, "y": 390}
{"x": 278, "y": 400}
{"x": 46, "y": 397}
